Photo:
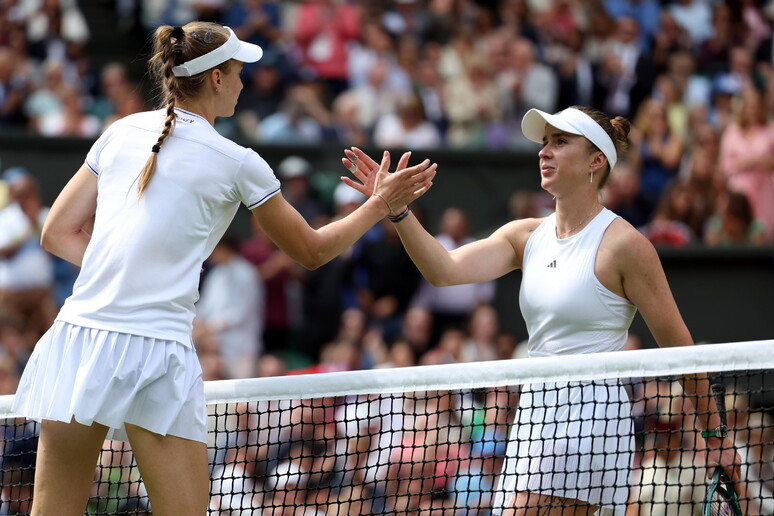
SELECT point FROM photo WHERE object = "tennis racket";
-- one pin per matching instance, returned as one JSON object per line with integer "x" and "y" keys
{"x": 721, "y": 499}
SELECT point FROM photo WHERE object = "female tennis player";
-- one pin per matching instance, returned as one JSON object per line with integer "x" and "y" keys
{"x": 161, "y": 188}
{"x": 585, "y": 273}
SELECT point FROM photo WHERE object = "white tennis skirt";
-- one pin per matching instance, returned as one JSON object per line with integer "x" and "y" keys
{"x": 571, "y": 440}
{"x": 112, "y": 378}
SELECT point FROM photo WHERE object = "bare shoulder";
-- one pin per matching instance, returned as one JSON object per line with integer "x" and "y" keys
{"x": 517, "y": 232}
{"x": 630, "y": 247}
{"x": 521, "y": 228}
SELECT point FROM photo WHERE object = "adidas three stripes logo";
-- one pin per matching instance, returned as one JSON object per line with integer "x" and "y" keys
{"x": 552, "y": 265}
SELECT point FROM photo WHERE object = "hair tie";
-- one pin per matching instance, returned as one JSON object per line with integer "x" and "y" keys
{"x": 156, "y": 148}
{"x": 178, "y": 33}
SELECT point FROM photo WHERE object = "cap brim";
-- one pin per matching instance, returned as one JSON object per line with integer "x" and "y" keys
{"x": 533, "y": 125}
{"x": 248, "y": 52}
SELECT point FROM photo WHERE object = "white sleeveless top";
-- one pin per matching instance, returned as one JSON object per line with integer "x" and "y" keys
{"x": 566, "y": 308}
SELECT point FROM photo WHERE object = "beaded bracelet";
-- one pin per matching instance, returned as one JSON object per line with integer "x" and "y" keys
{"x": 398, "y": 218}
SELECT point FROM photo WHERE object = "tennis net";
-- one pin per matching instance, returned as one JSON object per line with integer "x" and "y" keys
{"x": 612, "y": 429}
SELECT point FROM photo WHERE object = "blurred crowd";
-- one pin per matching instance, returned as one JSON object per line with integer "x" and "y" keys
{"x": 695, "y": 77}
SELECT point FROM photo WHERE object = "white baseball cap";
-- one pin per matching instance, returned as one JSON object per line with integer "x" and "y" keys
{"x": 233, "y": 48}
{"x": 572, "y": 121}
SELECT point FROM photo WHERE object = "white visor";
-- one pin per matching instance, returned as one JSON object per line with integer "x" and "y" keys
{"x": 572, "y": 121}
{"x": 233, "y": 48}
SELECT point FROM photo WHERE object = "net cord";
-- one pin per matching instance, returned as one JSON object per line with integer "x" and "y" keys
{"x": 645, "y": 363}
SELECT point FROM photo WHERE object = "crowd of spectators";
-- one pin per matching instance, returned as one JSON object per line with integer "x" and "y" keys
{"x": 695, "y": 77}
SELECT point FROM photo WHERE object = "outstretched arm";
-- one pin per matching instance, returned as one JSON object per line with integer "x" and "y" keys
{"x": 315, "y": 247}
{"x": 482, "y": 260}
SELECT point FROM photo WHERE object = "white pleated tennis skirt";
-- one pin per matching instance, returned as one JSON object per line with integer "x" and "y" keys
{"x": 571, "y": 440}
{"x": 112, "y": 378}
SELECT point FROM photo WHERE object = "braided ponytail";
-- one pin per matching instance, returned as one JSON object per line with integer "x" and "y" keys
{"x": 171, "y": 47}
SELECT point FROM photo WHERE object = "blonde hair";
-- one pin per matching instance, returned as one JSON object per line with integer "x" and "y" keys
{"x": 173, "y": 46}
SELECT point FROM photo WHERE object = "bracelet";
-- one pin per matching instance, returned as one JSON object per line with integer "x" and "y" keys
{"x": 385, "y": 202}
{"x": 398, "y": 218}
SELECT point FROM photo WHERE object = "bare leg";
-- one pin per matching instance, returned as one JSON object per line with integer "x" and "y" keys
{"x": 64, "y": 468}
{"x": 535, "y": 504}
{"x": 174, "y": 470}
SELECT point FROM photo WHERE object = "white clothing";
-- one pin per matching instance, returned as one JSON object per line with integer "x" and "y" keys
{"x": 572, "y": 440}
{"x": 389, "y": 132}
{"x": 232, "y": 306}
{"x": 111, "y": 378}
{"x": 566, "y": 308}
{"x": 30, "y": 267}
{"x": 141, "y": 269}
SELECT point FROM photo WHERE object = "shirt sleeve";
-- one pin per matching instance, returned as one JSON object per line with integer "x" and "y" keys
{"x": 92, "y": 158}
{"x": 255, "y": 181}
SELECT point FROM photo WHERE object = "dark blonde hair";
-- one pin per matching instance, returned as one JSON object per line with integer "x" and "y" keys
{"x": 616, "y": 128}
{"x": 173, "y": 46}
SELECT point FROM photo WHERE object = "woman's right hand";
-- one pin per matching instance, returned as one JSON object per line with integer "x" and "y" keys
{"x": 397, "y": 189}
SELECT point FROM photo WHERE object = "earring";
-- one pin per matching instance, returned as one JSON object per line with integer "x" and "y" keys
{"x": 591, "y": 177}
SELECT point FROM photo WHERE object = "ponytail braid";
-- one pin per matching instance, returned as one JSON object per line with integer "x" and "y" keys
{"x": 171, "y": 47}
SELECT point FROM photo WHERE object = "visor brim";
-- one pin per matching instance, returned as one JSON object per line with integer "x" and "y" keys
{"x": 533, "y": 125}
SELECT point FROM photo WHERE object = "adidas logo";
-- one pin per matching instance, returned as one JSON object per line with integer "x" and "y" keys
{"x": 552, "y": 265}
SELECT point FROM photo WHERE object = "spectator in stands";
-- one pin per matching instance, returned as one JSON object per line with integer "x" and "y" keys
{"x": 302, "y": 118}
{"x": 262, "y": 96}
{"x": 713, "y": 53}
{"x": 256, "y": 21}
{"x": 323, "y": 30}
{"x": 676, "y": 222}
{"x": 656, "y": 152}
{"x": 386, "y": 281}
{"x": 375, "y": 98}
{"x": 735, "y": 224}
{"x": 622, "y": 195}
{"x": 695, "y": 17}
{"x": 408, "y": 128}
{"x": 52, "y": 25}
{"x": 71, "y": 120}
{"x": 14, "y": 88}
{"x": 472, "y": 108}
{"x": 525, "y": 83}
{"x": 626, "y": 73}
{"x": 376, "y": 45}
{"x": 452, "y": 306}
{"x": 646, "y": 12}
{"x": 483, "y": 328}
{"x": 747, "y": 156}
{"x": 26, "y": 270}
{"x": 346, "y": 127}
{"x": 234, "y": 320}
{"x": 294, "y": 173}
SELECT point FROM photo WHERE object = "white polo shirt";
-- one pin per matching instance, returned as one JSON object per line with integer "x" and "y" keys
{"x": 141, "y": 270}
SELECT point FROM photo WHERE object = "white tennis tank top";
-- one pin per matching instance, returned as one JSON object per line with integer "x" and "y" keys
{"x": 566, "y": 308}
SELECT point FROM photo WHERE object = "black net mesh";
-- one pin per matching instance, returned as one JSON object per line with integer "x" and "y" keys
{"x": 444, "y": 452}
